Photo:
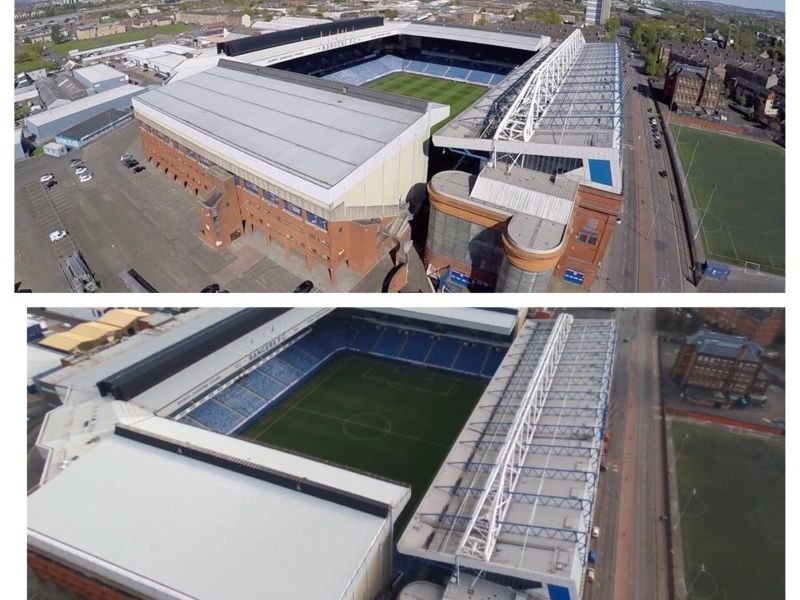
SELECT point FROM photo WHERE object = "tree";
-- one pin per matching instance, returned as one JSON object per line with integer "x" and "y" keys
{"x": 551, "y": 17}
{"x": 55, "y": 34}
{"x": 612, "y": 25}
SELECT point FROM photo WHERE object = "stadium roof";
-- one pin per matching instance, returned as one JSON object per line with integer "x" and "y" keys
{"x": 128, "y": 508}
{"x": 471, "y": 318}
{"x": 77, "y": 383}
{"x": 581, "y": 119}
{"x": 555, "y": 377}
{"x": 170, "y": 395}
{"x": 314, "y": 134}
{"x": 313, "y": 45}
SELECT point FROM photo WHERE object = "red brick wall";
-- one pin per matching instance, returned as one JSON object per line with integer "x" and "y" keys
{"x": 76, "y": 583}
{"x": 240, "y": 212}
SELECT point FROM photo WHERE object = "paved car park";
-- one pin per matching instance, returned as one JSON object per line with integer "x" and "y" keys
{"x": 123, "y": 220}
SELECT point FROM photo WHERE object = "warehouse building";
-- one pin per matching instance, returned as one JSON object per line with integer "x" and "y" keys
{"x": 161, "y": 59}
{"x": 110, "y": 524}
{"x": 59, "y": 90}
{"x": 44, "y": 126}
{"x": 93, "y": 128}
{"x": 19, "y": 151}
{"x": 100, "y": 78}
{"x": 728, "y": 364}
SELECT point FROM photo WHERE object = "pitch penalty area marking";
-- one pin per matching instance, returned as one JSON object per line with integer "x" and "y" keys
{"x": 761, "y": 528}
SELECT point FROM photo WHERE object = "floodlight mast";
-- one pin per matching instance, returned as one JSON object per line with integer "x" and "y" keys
{"x": 480, "y": 536}
{"x": 526, "y": 112}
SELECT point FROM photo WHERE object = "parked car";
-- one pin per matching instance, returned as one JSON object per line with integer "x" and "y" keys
{"x": 210, "y": 289}
{"x": 663, "y": 173}
{"x": 81, "y": 170}
{"x": 131, "y": 163}
{"x": 125, "y": 157}
{"x": 592, "y": 556}
{"x": 595, "y": 532}
{"x": 138, "y": 169}
{"x": 75, "y": 162}
{"x": 590, "y": 575}
{"x": 46, "y": 177}
{"x": 658, "y": 145}
{"x": 85, "y": 177}
{"x": 304, "y": 287}
{"x": 57, "y": 235}
{"x": 50, "y": 183}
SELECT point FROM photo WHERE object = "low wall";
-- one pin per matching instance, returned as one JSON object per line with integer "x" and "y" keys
{"x": 719, "y": 419}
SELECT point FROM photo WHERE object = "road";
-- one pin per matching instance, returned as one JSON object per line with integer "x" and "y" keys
{"x": 648, "y": 250}
{"x": 632, "y": 548}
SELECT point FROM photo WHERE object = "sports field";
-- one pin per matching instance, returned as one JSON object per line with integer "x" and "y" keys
{"x": 734, "y": 523}
{"x": 457, "y": 94}
{"x": 387, "y": 418}
{"x": 745, "y": 220}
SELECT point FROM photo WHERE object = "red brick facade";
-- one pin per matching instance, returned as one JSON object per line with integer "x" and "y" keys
{"x": 230, "y": 207}
{"x": 760, "y": 325}
{"x": 593, "y": 223}
{"x": 78, "y": 584}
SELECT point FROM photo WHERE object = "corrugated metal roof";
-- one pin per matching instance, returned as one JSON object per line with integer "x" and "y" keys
{"x": 306, "y": 129}
{"x": 73, "y": 339}
{"x": 525, "y": 191}
{"x": 122, "y": 317}
{"x": 98, "y": 73}
{"x": 534, "y": 233}
{"x": 725, "y": 345}
{"x": 42, "y": 118}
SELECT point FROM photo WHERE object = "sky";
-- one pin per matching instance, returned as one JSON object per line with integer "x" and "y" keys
{"x": 765, "y": 4}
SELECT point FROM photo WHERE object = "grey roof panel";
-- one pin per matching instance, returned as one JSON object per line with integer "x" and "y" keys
{"x": 315, "y": 131}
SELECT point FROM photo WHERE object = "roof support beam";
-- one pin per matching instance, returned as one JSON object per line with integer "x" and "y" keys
{"x": 480, "y": 536}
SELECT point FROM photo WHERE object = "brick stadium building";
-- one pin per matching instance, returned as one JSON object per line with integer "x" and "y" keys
{"x": 759, "y": 324}
{"x": 320, "y": 168}
{"x": 720, "y": 362}
{"x": 332, "y": 171}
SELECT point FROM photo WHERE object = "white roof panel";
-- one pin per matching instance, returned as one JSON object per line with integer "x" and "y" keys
{"x": 127, "y": 510}
{"x": 472, "y": 318}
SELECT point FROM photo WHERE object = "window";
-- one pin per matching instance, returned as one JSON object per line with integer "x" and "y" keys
{"x": 588, "y": 233}
{"x": 270, "y": 197}
{"x": 289, "y": 207}
{"x": 251, "y": 187}
{"x": 316, "y": 221}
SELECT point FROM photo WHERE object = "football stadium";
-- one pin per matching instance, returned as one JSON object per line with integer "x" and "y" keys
{"x": 284, "y": 452}
{"x": 330, "y": 139}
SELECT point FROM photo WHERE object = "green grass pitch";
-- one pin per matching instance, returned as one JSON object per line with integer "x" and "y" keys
{"x": 387, "y": 418}
{"x": 734, "y": 524}
{"x": 745, "y": 221}
{"x": 455, "y": 93}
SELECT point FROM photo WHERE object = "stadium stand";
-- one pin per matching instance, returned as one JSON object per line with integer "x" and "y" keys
{"x": 249, "y": 397}
{"x": 360, "y": 70}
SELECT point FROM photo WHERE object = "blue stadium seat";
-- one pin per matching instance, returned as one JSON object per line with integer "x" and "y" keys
{"x": 365, "y": 339}
{"x": 215, "y": 416}
{"x": 471, "y": 358}
{"x": 496, "y": 79}
{"x": 240, "y": 399}
{"x": 390, "y": 342}
{"x": 457, "y": 73}
{"x": 313, "y": 348}
{"x": 479, "y": 77}
{"x": 263, "y": 385}
{"x": 293, "y": 356}
{"x": 436, "y": 70}
{"x": 417, "y": 346}
{"x": 493, "y": 361}
{"x": 279, "y": 370}
{"x": 444, "y": 352}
